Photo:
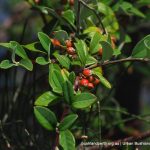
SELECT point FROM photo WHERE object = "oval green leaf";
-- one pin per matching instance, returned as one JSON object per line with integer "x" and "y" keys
{"x": 66, "y": 140}
{"x": 45, "y": 117}
{"x": 44, "y": 40}
{"x": 83, "y": 100}
{"x": 67, "y": 122}
{"x": 45, "y": 99}
{"x": 41, "y": 61}
{"x": 5, "y": 64}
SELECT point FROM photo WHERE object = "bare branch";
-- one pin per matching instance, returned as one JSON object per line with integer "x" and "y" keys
{"x": 129, "y": 59}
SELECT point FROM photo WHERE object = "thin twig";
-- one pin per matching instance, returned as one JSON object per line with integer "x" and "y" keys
{"x": 129, "y": 59}
{"x": 125, "y": 113}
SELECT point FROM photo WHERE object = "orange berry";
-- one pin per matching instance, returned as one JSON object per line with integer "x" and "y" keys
{"x": 100, "y": 51}
{"x": 87, "y": 72}
{"x": 55, "y": 42}
{"x": 96, "y": 81}
{"x": 37, "y": 1}
{"x": 71, "y": 50}
{"x": 90, "y": 85}
{"x": 71, "y": 2}
{"x": 91, "y": 78}
{"x": 84, "y": 82}
{"x": 68, "y": 43}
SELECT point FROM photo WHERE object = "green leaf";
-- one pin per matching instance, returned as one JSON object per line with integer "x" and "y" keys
{"x": 5, "y": 64}
{"x": 72, "y": 77}
{"x": 26, "y": 63}
{"x": 82, "y": 52}
{"x": 55, "y": 79}
{"x": 65, "y": 74}
{"x": 41, "y": 61}
{"x": 83, "y": 100}
{"x": 45, "y": 99}
{"x": 90, "y": 61}
{"x": 33, "y": 47}
{"x": 7, "y": 45}
{"x": 67, "y": 122}
{"x": 45, "y": 117}
{"x": 18, "y": 49}
{"x": 61, "y": 35}
{"x": 107, "y": 50}
{"x": 142, "y": 50}
{"x": 102, "y": 79}
{"x": 137, "y": 12}
{"x": 45, "y": 41}
{"x": 116, "y": 52}
{"x": 69, "y": 16}
{"x": 94, "y": 44}
{"x": 63, "y": 60}
{"x": 92, "y": 29}
{"x": 68, "y": 91}
{"x": 110, "y": 22}
{"x": 66, "y": 140}
{"x": 129, "y": 8}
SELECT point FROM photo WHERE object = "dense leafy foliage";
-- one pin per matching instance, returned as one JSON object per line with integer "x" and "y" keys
{"x": 90, "y": 47}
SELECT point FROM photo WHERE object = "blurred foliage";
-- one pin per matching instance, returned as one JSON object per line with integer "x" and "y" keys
{"x": 127, "y": 21}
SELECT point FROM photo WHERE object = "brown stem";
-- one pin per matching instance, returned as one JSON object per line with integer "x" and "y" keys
{"x": 65, "y": 112}
{"x": 105, "y": 63}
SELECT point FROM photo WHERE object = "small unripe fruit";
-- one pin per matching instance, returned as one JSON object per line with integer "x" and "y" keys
{"x": 68, "y": 43}
{"x": 71, "y": 50}
{"x": 96, "y": 81}
{"x": 71, "y": 2}
{"x": 100, "y": 51}
{"x": 90, "y": 85}
{"x": 37, "y": 1}
{"x": 91, "y": 79}
{"x": 87, "y": 72}
{"x": 55, "y": 42}
{"x": 84, "y": 82}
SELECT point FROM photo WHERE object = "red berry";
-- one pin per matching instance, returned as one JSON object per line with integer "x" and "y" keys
{"x": 37, "y": 1}
{"x": 71, "y": 50}
{"x": 84, "y": 82}
{"x": 100, "y": 51}
{"x": 55, "y": 42}
{"x": 97, "y": 81}
{"x": 68, "y": 43}
{"x": 87, "y": 72}
{"x": 91, "y": 78}
{"x": 71, "y": 2}
{"x": 90, "y": 85}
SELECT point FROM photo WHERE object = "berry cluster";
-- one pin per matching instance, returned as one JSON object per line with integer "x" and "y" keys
{"x": 69, "y": 46}
{"x": 70, "y": 49}
{"x": 88, "y": 80}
